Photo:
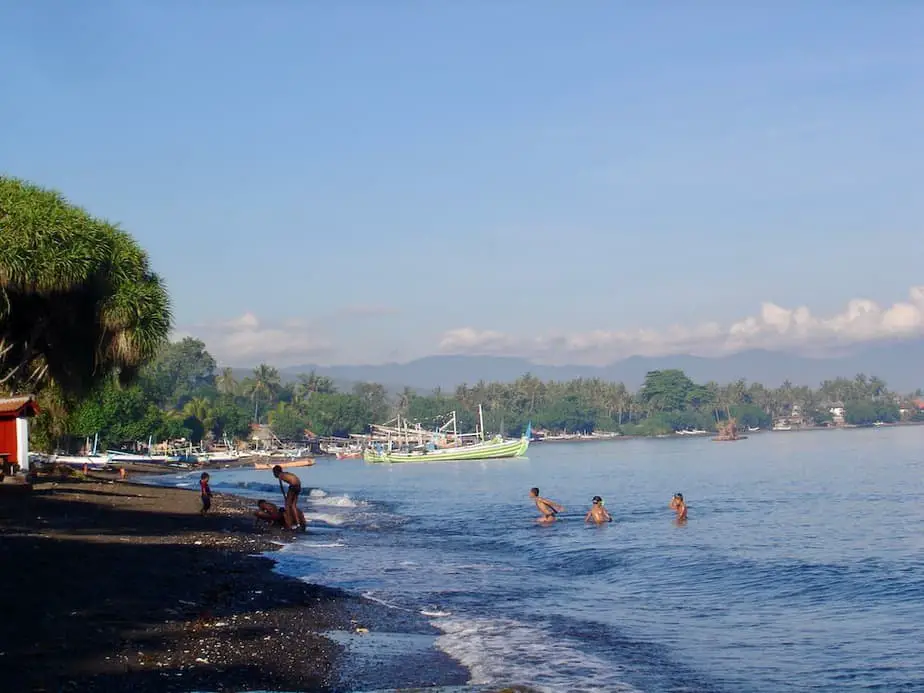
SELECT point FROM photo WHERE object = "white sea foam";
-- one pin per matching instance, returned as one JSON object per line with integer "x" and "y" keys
{"x": 330, "y": 545}
{"x": 325, "y": 518}
{"x": 435, "y": 613}
{"x": 334, "y": 501}
{"x": 378, "y": 600}
{"x": 503, "y": 650}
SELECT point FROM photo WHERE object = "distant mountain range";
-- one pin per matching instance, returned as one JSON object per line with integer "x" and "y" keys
{"x": 900, "y": 364}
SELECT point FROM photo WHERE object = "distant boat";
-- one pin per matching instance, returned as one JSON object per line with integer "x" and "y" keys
{"x": 285, "y": 464}
{"x": 753, "y": 429}
{"x": 692, "y": 432}
{"x": 429, "y": 451}
{"x": 93, "y": 462}
{"x": 781, "y": 427}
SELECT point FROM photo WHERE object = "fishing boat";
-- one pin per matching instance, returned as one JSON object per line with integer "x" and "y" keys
{"x": 92, "y": 460}
{"x": 349, "y": 455}
{"x": 284, "y": 463}
{"x": 443, "y": 445}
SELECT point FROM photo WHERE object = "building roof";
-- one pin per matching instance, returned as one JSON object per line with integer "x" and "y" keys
{"x": 18, "y": 406}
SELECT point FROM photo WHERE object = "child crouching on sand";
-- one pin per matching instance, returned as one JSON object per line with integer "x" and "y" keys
{"x": 270, "y": 513}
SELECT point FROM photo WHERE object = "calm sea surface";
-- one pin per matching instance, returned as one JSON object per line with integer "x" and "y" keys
{"x": 801, "y": 567}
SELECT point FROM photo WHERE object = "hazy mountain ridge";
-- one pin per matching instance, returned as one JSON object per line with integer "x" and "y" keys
{"x": 900, "y": 364}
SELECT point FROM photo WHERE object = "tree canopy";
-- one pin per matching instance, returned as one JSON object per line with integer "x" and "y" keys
{"x": 78, "y": 299}
{"x": 179, "y": 394}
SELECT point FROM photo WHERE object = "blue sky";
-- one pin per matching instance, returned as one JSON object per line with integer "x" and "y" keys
{"x": 573, "y": 182}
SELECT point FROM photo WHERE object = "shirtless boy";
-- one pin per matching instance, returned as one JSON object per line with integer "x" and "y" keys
{"x": 290, "y": 513}
{"x": 679, "y": 506}
{"x": 598, "y": 514}
{"x": 548, "y": 509}
{"x": 269, "y": 512}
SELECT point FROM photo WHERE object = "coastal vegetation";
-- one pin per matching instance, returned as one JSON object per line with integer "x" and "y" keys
{"x": 79, "y": 303}
{"x": 182, "y": 394}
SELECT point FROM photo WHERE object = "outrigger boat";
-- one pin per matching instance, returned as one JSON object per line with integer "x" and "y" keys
{"x": 285, "y": 464}
{"x": 443, "y": 445}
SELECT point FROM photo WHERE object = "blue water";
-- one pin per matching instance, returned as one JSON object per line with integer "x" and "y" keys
{"x": 801, "y": 567}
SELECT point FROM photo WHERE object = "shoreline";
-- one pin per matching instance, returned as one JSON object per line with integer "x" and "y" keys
{"x": 121, "y": 586}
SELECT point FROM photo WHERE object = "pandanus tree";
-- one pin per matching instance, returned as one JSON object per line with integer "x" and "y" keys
{"x": 78, "y": 299}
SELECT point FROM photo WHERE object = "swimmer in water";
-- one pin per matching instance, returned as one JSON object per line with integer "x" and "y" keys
{"x": 598, "y": 514}
{"x": 679, "y": 506}
{"x": 548, "y": 509}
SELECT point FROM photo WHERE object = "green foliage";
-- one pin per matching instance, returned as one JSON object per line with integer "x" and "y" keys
{"x": 78, "y": 300}
{"x": 669, "y": 390}
{"x": 819, "y": 416}
{"x": 864, "y": 413}
{"x": 287, "y": 422}
{"x": 751, "y": 415}
{"x": 336, "y": 414}
{"x": 567, "y": 414}
{"x": 230, "y": 419}
{"x": 183, "y": 370}
{"x": 180, "y": 395}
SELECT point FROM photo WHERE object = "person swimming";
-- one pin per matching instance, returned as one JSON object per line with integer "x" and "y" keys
{"x": 548, "y": 509}
{"x": 597, "y": 514}
{"x": 679, "y": 506}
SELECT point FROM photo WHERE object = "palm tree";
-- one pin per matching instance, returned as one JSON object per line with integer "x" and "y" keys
{"x": 404, "y": 401}
{"x": 310, "y": 383}
{"x": 225, "y": 382}
{"x": 265, "y": 384}
{"x": 201, "y": 409}
{"x": 78, "y": 299}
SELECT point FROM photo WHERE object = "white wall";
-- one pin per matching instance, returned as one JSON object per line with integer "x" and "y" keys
{"x": 22, "y": 443}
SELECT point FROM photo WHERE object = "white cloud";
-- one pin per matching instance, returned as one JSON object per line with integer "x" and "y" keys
{"x": 248, "y": 340}
{"x": 775, "y": 327}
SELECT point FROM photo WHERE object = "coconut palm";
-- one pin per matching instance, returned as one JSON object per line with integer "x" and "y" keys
{"x": 225, "y": 382}
{"x": 264, "y": 385}
{"x": 78, "y": 300}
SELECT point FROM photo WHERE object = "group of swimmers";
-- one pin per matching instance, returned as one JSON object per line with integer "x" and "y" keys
{"x": 291, "y": 517}
{"x": 597, "y": 514}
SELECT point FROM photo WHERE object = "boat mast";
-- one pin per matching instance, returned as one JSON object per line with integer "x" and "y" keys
{"x": 455, "y": 430}
{"x": 481, "y": 419}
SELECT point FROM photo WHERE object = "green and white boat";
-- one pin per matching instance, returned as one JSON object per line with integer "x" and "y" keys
{"x": 443, "y": 446}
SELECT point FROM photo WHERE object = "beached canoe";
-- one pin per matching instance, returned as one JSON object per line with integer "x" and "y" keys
{"x": 285, "y": 464}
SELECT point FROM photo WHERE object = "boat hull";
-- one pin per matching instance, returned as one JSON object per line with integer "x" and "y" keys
{"x": 92, "y": 462}
{"x": 482, "y": 451}
{"x": 285, "y": 464}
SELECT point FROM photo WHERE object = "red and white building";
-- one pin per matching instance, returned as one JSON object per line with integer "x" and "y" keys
{"x": 15, "y": 413}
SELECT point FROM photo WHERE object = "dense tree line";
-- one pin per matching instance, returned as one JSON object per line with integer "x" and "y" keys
{"x": 182, "y": 394}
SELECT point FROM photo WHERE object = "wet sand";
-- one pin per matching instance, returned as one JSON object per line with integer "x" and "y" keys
{"x": 114, "y": 586}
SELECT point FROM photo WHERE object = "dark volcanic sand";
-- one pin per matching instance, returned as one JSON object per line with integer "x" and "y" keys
{"x": 112, "y": 586}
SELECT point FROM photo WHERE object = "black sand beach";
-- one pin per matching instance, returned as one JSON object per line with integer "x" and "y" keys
{"x": 115, "y": 586}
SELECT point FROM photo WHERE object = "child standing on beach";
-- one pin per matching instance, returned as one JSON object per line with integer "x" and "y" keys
{"x": 206, "y": 492}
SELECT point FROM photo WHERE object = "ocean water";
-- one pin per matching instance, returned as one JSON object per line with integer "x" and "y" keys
{"x": 801, "y": 567}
